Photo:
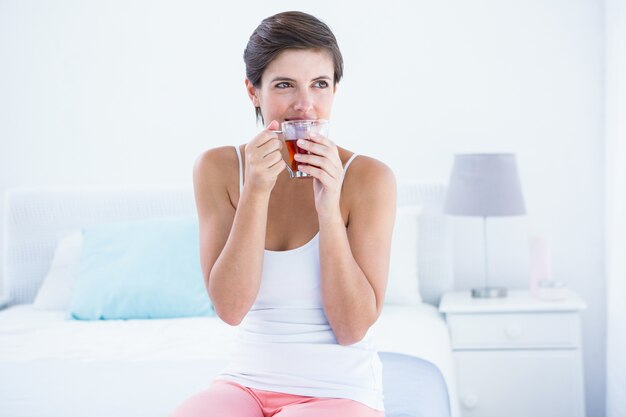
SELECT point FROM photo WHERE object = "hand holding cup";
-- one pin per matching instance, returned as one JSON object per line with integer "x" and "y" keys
{"x": 294, "y": 130}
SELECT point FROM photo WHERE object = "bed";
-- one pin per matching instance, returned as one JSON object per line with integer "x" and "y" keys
{"x": 54, "y": 365}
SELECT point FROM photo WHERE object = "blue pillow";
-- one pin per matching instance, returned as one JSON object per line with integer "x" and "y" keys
{"x": 140, "y": 270}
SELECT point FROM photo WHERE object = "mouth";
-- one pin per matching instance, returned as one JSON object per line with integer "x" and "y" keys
{"x": 299, "y": 118}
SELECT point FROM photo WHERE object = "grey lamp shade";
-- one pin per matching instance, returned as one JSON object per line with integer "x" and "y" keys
{"x": 484, "y": 185}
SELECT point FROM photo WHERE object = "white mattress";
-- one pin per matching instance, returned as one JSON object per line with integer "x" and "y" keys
{"x": 53, "y": 366}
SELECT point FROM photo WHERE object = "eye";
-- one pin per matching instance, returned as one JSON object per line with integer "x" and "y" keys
{"x": 321, "y": 84}
{"x": 283, "y": 84}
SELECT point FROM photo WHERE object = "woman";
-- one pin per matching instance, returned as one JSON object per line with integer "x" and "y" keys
{"x": 299, "y": 264}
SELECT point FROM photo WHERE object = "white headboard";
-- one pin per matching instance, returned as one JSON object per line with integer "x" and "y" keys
{"x": 35, "y": 217}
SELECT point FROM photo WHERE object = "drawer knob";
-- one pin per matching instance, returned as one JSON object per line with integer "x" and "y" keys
{"x": 513, "y": 331}
{"x": 470, "y": 401}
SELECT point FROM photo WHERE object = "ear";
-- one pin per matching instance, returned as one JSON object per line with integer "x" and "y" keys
{"x": 335, "y": 87}
{"x": 252, "y": 93}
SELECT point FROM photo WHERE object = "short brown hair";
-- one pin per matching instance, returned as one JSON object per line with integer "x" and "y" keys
{"x": 288, "y": 30}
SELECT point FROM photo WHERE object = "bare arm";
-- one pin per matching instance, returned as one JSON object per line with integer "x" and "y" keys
{"x": 355, "y": 259}
{"x": 232, "y": 241}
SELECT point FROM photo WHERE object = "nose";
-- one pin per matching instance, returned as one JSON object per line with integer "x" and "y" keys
{"x": 304, "y": 101}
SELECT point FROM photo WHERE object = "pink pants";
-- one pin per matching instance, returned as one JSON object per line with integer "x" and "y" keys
{"x": 229, "y": 399}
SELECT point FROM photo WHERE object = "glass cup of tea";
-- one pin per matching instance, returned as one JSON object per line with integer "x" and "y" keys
{"x": 293, "y": 130}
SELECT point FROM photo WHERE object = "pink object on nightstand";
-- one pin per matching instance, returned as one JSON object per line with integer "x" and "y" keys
{"x": 540, "y": 263}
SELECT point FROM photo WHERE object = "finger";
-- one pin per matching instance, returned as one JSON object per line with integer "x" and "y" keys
{"x": 273, "y": 158}
{"x": 266, "y": 134}
{"x": 272, "y": 145}
{"x": 278, "y": 167}
{"x": 329, "y": 161}
{"x": 313, "y": 147}
{"x": 328, "y": 147}
{"x": 318, "y": 173}
{"x": 320, "y": 145}
{"x": 274, "y": 125}
{"x": 271, "y": 129}
{"x": 321, "y": 139}
{"x": 263, "y": 138}
{"x": 320, "y": 162}
{"x": 262, "y": 146}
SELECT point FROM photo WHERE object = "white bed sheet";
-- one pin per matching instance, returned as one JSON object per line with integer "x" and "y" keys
{"x": 51, "y": 365}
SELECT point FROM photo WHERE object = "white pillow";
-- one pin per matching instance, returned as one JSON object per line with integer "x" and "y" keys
{"x": 403, "y": 283}
{"x": 57, "y": 287}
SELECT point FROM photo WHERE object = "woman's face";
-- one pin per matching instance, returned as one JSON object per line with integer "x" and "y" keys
{"x": 297, "y": 84}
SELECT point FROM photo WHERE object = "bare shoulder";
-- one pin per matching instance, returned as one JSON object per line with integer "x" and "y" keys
{"x": 216, "y": 170}
{"x": 215, "y": 160}
{"x": 368, "y": 178}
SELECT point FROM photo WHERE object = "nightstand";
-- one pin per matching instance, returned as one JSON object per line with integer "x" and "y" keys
{"x": 517, "y": 356}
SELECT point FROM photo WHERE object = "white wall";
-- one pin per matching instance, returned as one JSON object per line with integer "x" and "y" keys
{"x": 615, "y": 177}
{"x": 109, "y": 92}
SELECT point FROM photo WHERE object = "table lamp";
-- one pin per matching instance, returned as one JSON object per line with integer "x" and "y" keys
{"x": 485, "y": 185}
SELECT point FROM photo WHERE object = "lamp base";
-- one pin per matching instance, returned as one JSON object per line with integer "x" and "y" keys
{"x": 488, "y": 292}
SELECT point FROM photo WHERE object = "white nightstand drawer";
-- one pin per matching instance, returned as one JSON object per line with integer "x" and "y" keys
{"x": 520, "y": 383}
{"x": 515, "y": 331}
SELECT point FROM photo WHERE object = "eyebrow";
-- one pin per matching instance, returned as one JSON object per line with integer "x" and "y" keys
{"x": 321, "y": 77}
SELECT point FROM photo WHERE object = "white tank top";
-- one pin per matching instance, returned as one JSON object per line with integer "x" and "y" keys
{"x": 285, "y": 343}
